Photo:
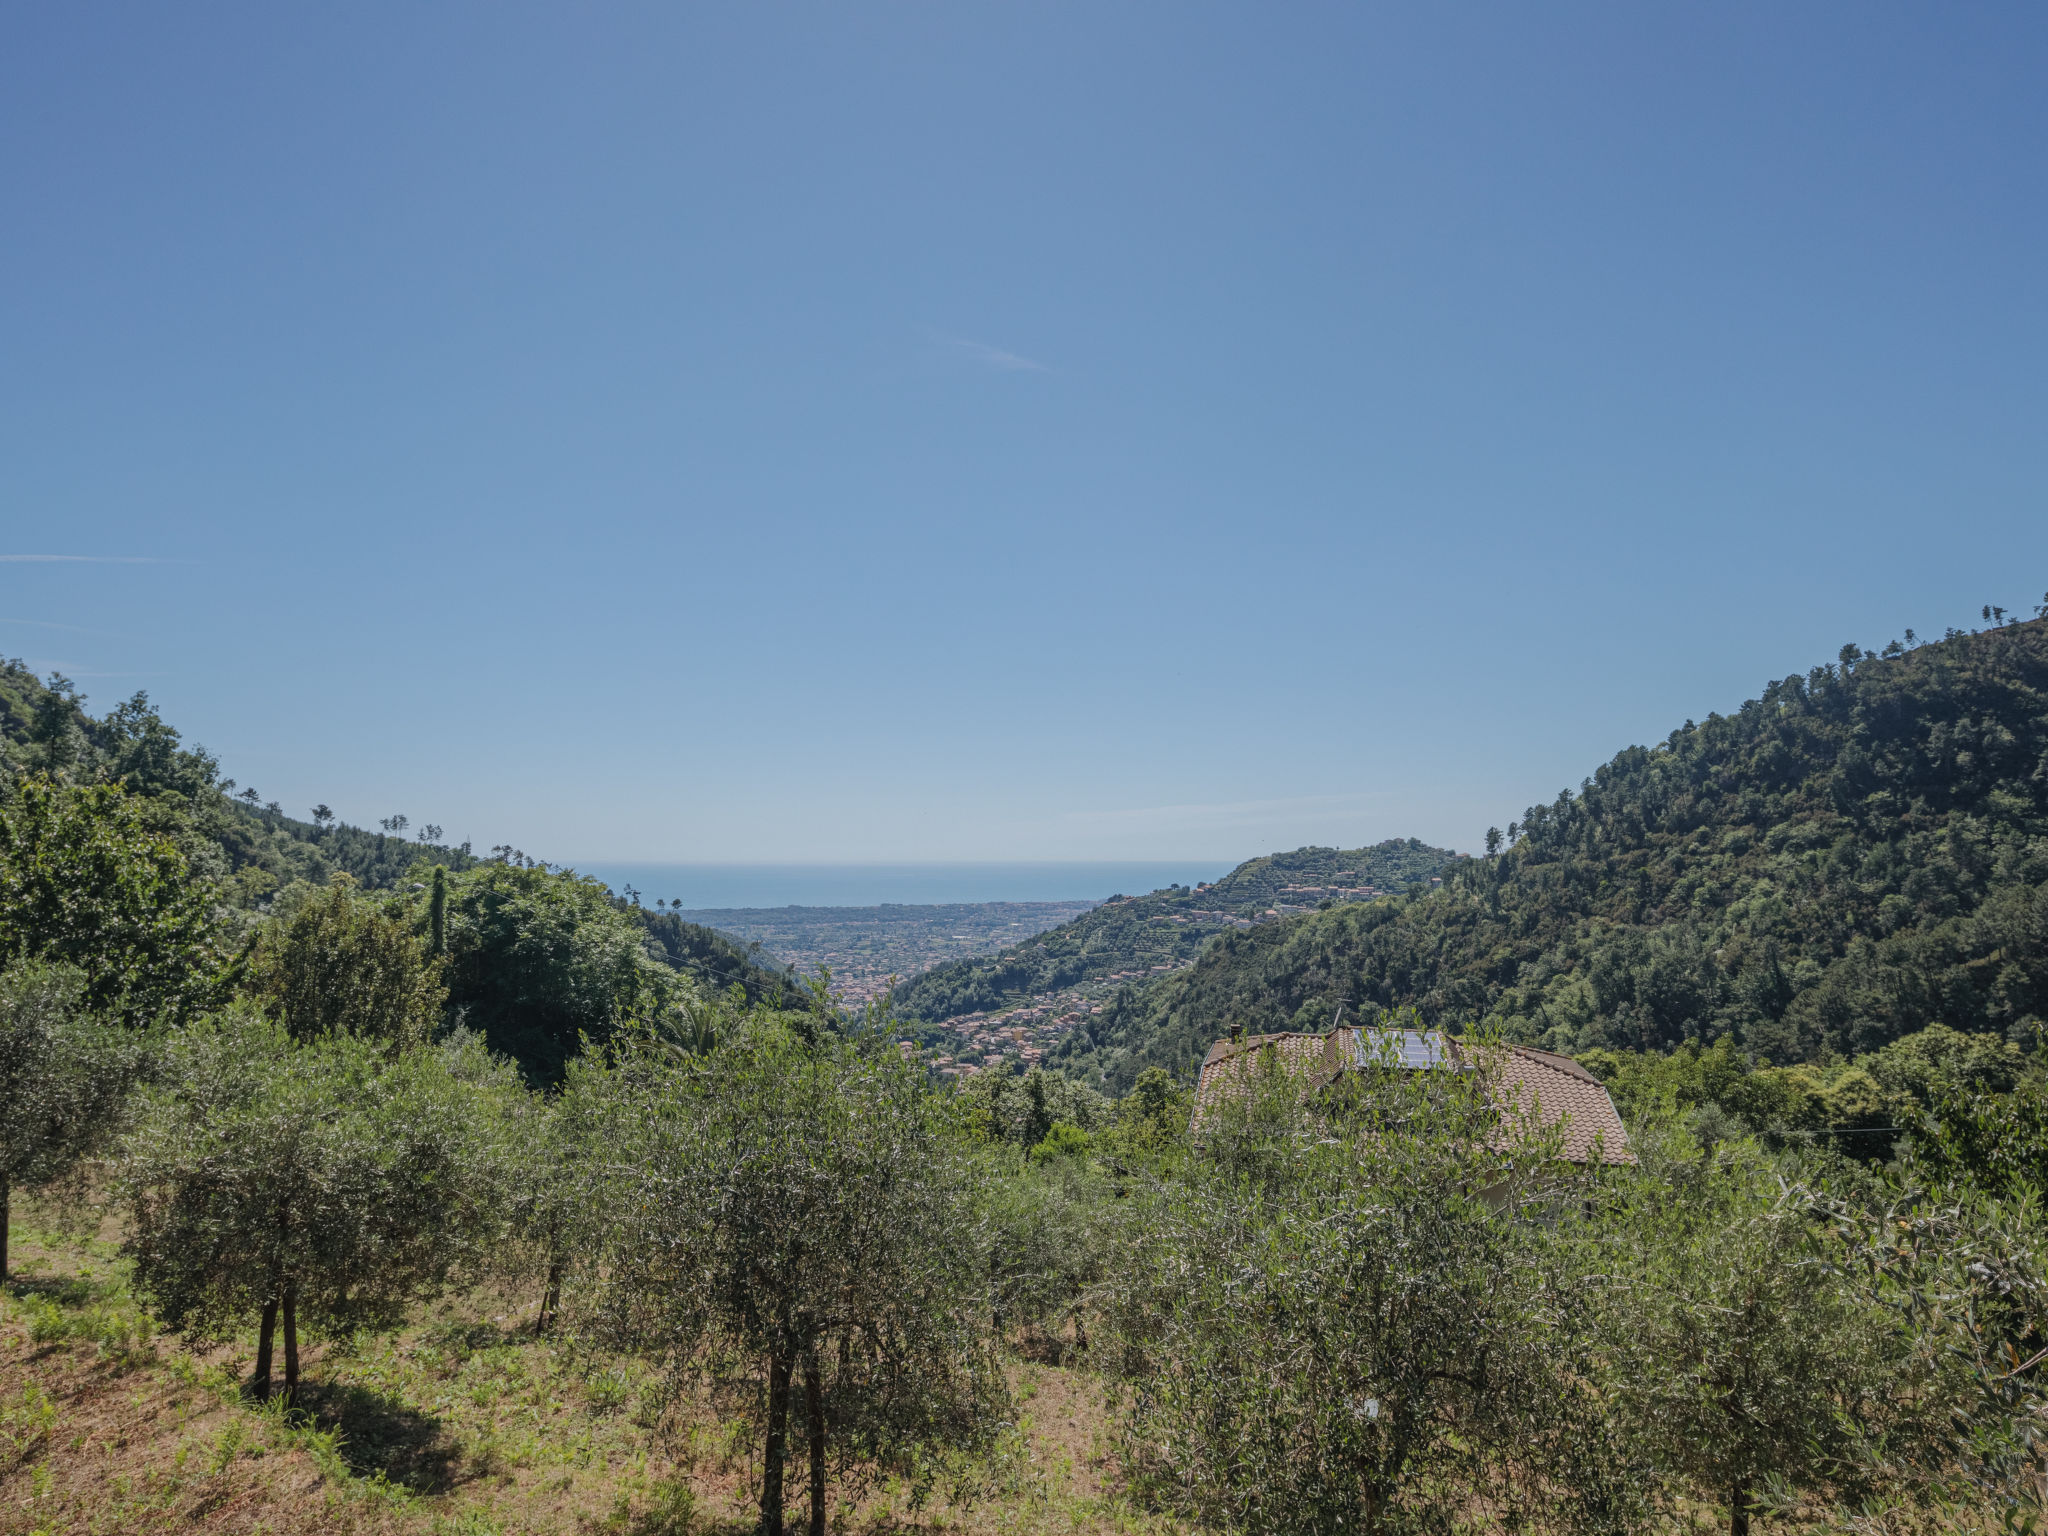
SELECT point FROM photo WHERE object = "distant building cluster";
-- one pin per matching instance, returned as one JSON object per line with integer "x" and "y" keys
{"x": 1023, "y": 1035}
{"x": 1312, "y": 894}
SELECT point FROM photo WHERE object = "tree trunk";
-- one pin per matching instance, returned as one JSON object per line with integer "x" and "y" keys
{"x": 550, "y": 1298}
{"x": 814, "y": 1407}
{"x": 778, "y": 1441}
{"x": 264, "y": 1335}
{"x": 291, "y": 1345}
{"x": 6, "y": 1198}
{"x": 1738, "y": 1510}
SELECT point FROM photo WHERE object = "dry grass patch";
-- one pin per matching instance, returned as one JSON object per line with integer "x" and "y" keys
{"x": 464, "y": 1424}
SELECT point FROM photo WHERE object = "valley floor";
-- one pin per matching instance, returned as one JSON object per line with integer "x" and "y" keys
{"x": 462, "y": 1425}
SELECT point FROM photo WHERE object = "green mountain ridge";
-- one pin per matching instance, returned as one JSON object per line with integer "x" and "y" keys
{"x": 1167, "y": 927}
{"x": 251, "y": 849}
{"x": 1858, "y": 853}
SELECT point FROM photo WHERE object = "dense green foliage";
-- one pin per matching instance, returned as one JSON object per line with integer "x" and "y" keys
{"x": 329, "y": 1180}
{"x": 335, "y": 964}
{"x": 541, "y": 959}
{"x": 1995, "y": 1140}
{"x": 1740, "y": 1350}
{"x": 1863, "y": 1106}
{"x": 124, "y": 852}
{"x": 1052, "y": 1236}
{"x": 1856, "y": 854}
{"x": 1023, "y": 1107}
{"x": 250, "y": 847}
{"x": 1363, "y": 1313}
{"x": 1134, "y": 934}
{"x": 1354, "y": 1333}
{"x": 64, "y": 1077}
{"x": 91, "y": 876}
{"x": 714, "y": 960}
{"x": 795, "y": 1221}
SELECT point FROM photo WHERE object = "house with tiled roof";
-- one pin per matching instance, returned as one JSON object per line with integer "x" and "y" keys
{"x": 1528, "y": 1087}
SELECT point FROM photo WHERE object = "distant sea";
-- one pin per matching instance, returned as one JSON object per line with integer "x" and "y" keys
{"x": 873, "y": 885}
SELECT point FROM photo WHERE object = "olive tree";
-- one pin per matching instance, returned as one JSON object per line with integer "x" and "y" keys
{"x": 1965, "y": 1274}
{"x": 64, "y": 1076}
{"x": 1052, "y": 1227}
{"x": 1349, "y": 1315}
{"x": 791, "y": 1219}
{"x": 1742, "y": 1352}
{"x": 555, "y": 1156}
{"x": 330, "y": 1181}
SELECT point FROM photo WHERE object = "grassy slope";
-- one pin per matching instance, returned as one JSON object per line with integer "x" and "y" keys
{"x": 1137, "y": 932}
{"x": 463, "y": 1424}
{"x": 1855, "y": 854}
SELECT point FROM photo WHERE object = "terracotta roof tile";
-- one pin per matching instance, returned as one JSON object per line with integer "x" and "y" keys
{"x": 1555, "y": 1090}
{"x": 1230, "y": 1064}
{"x": 1558, "y": 1092}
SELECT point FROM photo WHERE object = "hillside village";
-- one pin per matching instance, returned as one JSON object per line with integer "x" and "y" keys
{"x": 1022, "y": 1036}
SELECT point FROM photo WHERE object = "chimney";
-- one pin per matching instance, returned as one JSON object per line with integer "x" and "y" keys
{"x": 1236, "y": 1032}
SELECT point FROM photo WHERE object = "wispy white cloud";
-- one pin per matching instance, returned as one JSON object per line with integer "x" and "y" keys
{"x": 88, "y": 560}
{"x": 988, "y": 356}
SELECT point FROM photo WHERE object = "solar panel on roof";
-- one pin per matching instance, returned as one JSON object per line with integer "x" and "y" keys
{"x": 1414, "y": 1050}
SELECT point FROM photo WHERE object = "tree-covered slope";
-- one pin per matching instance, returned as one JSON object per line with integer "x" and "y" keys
{"x": 1167, "y": 927}
{"x": 718, "y": 960}
{"x": 251, "y": 849}
{"x": 1858, "y": 853}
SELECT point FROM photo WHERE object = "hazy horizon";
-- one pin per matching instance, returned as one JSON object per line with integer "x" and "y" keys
{"x": 765, "y": 886}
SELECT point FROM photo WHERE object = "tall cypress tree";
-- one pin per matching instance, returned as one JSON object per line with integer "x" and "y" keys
{"x": 437, "y": 912}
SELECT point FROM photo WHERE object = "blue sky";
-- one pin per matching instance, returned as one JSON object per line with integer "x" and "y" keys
{"x": 1003, "y": 432}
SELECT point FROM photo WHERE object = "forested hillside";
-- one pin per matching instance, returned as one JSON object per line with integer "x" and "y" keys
{"x": 249, "y": 844}
{"x": 387, "y": 1167}
{"x": 1856, "y": 854}
{"x": 1167, "y": 927}
{"x": 715, "y": 958}
{"x": 248, "y": 853}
